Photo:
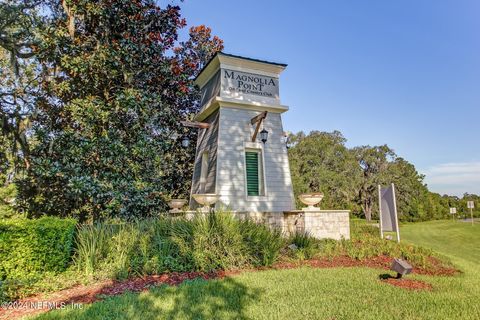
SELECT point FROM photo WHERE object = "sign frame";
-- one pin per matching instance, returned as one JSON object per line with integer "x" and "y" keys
{"x": 395, "y": 213}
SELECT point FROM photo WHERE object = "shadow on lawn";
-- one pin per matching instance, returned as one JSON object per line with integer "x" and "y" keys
{"x": 385, "y": 276}
{"x": 196, "y": 299}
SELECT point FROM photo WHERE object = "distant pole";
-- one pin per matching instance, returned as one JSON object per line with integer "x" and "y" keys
{"x": 396, "y": 213}
{"x": 380, "y": 209}
{"x": 471, "y": 215}
{"x": 471, "y": 205}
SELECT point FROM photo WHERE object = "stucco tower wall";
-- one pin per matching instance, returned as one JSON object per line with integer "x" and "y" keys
{"x": 235, "y": 132}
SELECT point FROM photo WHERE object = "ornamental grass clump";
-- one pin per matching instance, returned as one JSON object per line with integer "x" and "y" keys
{"x": 263, "y": 244}
{"x": 207, "y": 243}
{"x": 217, "y": 243}
{"x": 92, "y": 246}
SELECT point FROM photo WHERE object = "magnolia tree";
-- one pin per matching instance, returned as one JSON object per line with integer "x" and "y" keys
{"x": 115, "y": 83}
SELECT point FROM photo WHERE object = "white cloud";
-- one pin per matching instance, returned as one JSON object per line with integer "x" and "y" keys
{"x": 454, "y": 178}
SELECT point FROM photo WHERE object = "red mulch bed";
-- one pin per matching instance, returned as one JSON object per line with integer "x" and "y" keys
{"x": 87, "y": 294}
{"x": 380, "y": 262}
{"x": 408, "y": 284}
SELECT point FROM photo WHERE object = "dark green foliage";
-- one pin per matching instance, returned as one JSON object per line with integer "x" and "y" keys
{"x": 374, "y": 164}
{"x": 153, "y": 246}
{"x": 217, "y": 243}
{"x": 372, "y": 246}
{"x": 366, "y": 243}
{"x": 301, "y": 239}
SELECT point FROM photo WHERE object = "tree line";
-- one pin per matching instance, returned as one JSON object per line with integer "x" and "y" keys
{"x": 349, "y": 178}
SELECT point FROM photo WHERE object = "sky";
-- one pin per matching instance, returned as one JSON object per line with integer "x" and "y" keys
{"x": 403, "y": 73}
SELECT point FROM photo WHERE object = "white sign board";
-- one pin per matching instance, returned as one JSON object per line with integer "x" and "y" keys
{"x": 453, "y": 210}
{"x": 470, "y": 205}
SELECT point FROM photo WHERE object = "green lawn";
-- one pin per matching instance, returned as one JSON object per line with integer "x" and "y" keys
{"x": 459, "y": 240}
{"x": 343, "y": 293}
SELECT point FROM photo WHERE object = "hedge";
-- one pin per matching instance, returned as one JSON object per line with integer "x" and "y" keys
{"x": 31, "y": 247}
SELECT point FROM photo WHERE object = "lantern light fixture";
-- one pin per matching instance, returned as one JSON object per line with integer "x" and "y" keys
{"x": 264, "y": 136}
{"x": 185, "y": 142}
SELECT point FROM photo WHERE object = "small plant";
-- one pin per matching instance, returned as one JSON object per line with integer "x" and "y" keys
{"x": 307, "y": 246}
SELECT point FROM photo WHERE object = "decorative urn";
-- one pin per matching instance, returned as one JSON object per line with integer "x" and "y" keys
{"x": 311, "y": 199}
{"x": 176, "y": 205}
{"x": 206, "y": 200}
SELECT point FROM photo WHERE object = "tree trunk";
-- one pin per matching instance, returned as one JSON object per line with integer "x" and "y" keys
{"x": 367, "y": 209}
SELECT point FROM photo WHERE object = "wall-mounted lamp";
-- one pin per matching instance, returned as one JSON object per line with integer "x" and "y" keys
{"x": 264, "y": 135}
{"x": 185, "y": 142}
{"x": 257, "y": 121}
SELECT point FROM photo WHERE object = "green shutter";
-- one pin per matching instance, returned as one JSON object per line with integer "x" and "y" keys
{"x": 251, "y": 160}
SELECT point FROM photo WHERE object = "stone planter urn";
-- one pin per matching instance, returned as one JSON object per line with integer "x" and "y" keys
{"x": 311, "y": 199}
{"x": 206, "y": 200}
{"x": 176, "y": 205}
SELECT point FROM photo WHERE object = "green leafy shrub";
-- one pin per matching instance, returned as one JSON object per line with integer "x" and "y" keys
{"x": 172, "y": 239}
{"x": 32, "y": 249}
{"x": 217, "y": 243}
{"x": 29, "y": 247}
{"x": 11, "y": 289}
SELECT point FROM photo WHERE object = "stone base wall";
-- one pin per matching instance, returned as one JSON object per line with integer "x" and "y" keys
{"x": 321, "y": 224}
{"x": 331, "y": 224}
{"x": 287, "y": 222}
